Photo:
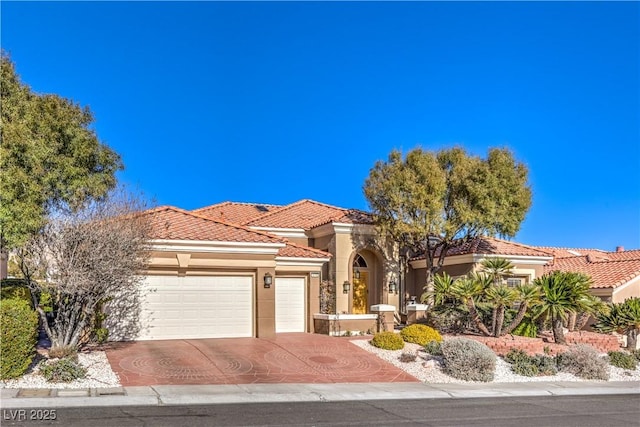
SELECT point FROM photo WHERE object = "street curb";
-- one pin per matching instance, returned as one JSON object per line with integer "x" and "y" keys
{"x": 167, "y": 395}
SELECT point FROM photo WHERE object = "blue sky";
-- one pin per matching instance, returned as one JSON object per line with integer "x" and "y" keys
{"x": 273, "y": 102}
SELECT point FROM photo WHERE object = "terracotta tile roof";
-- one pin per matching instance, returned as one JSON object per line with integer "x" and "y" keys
{"x": 293, "y": 250}
{"x": 604, "y": 273}
{"x": 569, "y": 252}
{"x": 172, "y": 223}
{"x": 494, "y": 246}
{"x": 305, "y": 214}
{"x": 234, "y": 212}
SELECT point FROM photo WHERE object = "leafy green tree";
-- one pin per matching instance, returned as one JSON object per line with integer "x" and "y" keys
{"x": 50, "y": 158}
{"x": 623, "y": 318}
{"x": 429, "y": 202}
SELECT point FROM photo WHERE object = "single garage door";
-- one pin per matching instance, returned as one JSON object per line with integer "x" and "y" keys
{"x": 197, "y": 307}
{"x": 290, "y": 304}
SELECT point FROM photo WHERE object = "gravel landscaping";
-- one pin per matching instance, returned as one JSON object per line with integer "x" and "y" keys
{"x": 427, "y": 368}
{"x": 99, "y": 374}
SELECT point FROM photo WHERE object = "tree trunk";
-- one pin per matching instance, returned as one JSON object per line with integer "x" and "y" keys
{"x": 494, "y": 321}
{"x": 571, "y": 322}
{"x": 582, "y": 320}
{"x": 522, "y": 311}
{"x": 558, "y": 334}
{"x": 475, "y": 317}
{"x": 498, "y": 321}
{"x": 632, "y": 339}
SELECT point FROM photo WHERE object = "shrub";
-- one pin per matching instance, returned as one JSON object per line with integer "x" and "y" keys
{"x": 525, "y": 368}
{"x": 468, "y": 360}
{"x": 546, "y": 365}
{"x": 584, "y": 361}
{"x": 407, "y": 357}
{"x": 64, "y": 352}
{"x": 62, "y": 370}
{"x": 420, "y": 334}
{"x": 636, "y": 354}
{"x": 433, "y": 348}
{"x": 515, "y": 355}
{"x": 388, "y": 341}
{"x": 15, "y": 289}
{"x": 18, "y": 337}
{"x": 447, "y": 319}
{"x": 622, "y": 360}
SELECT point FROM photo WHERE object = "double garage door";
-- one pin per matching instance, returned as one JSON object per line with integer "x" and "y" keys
{"x": 215, "y": 307}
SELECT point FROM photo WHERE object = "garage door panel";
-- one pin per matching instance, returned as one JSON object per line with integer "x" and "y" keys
{"x": 290, "y": 304}
{"x": 198, "y": 307}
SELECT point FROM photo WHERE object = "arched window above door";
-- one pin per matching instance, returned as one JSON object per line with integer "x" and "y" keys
{"x": 358, "y": 261}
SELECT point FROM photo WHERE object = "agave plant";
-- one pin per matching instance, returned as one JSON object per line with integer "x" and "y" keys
{"x": 623, "y": 318}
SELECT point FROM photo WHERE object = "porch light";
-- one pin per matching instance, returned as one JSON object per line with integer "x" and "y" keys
{"x": 357, "y": 274}
{"x": 393, "y": 287}
{"x": 268, "y": 279}
{"x": 346, "y": 286}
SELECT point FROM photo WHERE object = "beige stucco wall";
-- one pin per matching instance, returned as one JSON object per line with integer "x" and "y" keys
{"x": 629, "y": 290}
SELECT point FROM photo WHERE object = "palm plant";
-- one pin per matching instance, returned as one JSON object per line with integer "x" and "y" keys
{"x": 528, "y": 295}
{"x": 557, "y": 300}
{"x": 442, "y": 289}
{"x": 623, "y": 318}
{"x": 467, "y": 290}
{"x": 500, "y": 297}
{"x": 496, "y": 268}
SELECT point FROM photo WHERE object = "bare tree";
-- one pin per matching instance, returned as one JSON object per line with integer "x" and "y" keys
{"x": 85, "y": 259}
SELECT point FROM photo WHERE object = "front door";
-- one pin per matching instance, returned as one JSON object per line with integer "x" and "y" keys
{"x": 361, "y": 293}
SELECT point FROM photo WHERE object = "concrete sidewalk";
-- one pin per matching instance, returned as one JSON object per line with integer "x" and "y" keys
{"x": 263, "y": 393}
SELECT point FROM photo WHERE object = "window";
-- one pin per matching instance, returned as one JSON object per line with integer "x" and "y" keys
{"x": 515, "y": 281}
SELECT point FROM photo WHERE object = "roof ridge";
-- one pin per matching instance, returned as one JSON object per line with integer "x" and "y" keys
{"x": 211, "y": 206}
{"x": 238, "y": 226}
{"x": 572, "y": 249}
{"x": 283, "y": 208}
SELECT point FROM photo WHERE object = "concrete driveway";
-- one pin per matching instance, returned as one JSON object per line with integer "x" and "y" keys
{"x": 289, "y": 358}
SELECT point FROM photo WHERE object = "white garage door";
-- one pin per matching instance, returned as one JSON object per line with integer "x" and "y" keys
{"x": 290, "y": 303}
{"x": 197, "y": 307}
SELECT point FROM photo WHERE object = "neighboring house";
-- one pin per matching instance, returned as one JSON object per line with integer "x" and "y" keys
{"x": 615, "y": 275}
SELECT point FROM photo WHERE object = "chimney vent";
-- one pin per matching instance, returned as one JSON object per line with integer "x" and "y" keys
{"x": 619, "y": 248}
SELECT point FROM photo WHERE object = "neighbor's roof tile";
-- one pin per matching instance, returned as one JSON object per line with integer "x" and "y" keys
{"x": 172, "y": 223}
{"x": 604, "y": 273}
{"x": 493, "y": 246}
{"x": 235, "y": 212}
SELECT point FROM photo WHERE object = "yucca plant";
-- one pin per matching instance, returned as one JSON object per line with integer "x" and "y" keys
{"x": 528, "y": 296}
{"x": 467, "y": 290}
{"x": 497, "y": 269}
{"x": 623, "y": 318}
{"x": 557, "y": 301}
{"x": 500, "y": 297}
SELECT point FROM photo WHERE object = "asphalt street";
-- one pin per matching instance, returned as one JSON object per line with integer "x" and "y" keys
{"x": 569, "y": 411}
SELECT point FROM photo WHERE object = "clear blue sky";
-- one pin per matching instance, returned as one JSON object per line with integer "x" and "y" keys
{"x": 275, "y": 102}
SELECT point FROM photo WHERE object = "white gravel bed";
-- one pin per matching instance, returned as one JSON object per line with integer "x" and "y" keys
{"x": 428, "y": 368}
{"x": 99, "y": 374}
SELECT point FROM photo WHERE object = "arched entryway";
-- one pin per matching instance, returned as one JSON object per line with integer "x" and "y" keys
{"x": 366, "y": 276}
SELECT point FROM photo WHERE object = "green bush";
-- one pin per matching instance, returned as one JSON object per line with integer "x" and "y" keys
{"x": 62, "y": 370}
{"x": 468, "y": 360}
{"x": 622, "y": 360}
{"x": 420, "y": 334}
{"x": 515, "y": 355}
{"x": 18, "y": 337}
{"x": 546, "y": 365}
{"x": 433, "y": 348}
{"x": 15, "y": 289}
{"x": 447, "y": 319}
{"x": 526, "y": 328}
{"x": 636, "y": 354}
{"x": 526, "y": 369}
{"x": 388, "y": 341}
{"x": 584, "y": 361}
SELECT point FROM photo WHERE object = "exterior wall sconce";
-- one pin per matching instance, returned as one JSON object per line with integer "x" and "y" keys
{"x": 346, "y": 286}
{"x": 357, "y": 274}
{"x": 268, "y": 279}
{"x": 393, "y": 287}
